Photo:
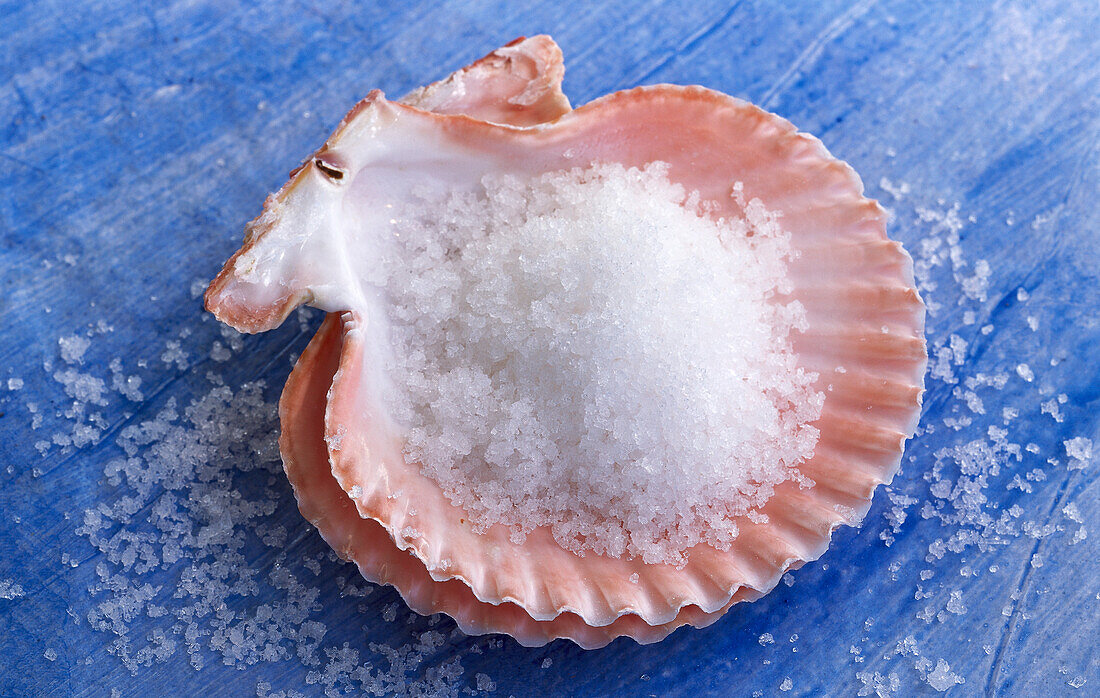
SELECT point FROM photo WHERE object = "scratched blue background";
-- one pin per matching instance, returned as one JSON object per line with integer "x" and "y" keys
{"x": 136, "y": 142}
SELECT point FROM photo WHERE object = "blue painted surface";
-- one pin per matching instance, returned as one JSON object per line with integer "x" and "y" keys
{"x": 135, "y": 143}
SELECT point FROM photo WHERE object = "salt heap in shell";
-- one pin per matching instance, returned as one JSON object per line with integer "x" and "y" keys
{"x": 589, "y": 350}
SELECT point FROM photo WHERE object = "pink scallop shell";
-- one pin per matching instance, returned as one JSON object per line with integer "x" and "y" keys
{"x": 864, "y": 315}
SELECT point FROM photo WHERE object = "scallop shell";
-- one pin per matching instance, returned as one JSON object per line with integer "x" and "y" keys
{"x": 865, "y": 335}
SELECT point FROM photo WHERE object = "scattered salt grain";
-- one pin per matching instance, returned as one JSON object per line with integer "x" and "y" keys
{"x": 335, "y": 439}
{"x": 174, "y": 354}
{"x": 941, "y": 678}
{"x": 220, "y": 353}
{"x": 1079, "y": 450}
{"x": 766, "y": 639}
{"x": 898, "y": 191}
{"x": 1072, "y": 513}
{"x": 976, "y": 286}
{"x": 15, "y": 384}
{"x": 484, "y": 683}
{"x": 1024, "y": 371}
{"x": 73, "y": 348}
{"x": 10, "y": 590}
{"x": 955, "y": 603}
{"x": 786, "y": 685}
{"x": 1052, "y": 408}
{"x": 127, "y": 386}
{"x": 50, "y": 654}
{"x": 82, "y": 387}
{"x": 389, "y": 613}
{"x": 878, "y": 685}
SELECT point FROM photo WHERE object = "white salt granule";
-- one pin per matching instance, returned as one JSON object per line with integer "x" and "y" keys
{"x": 941, "y": 678}
{"x": 15, "y": 384}
{"x": 786, "y": 685}
{"x": 82, "y": 387}
{"x": 1051, "y": 407}
{"x": 174, "y": 354}
{"x": 898, "y": 191}
{"x": 219, "y": 352}
{"x": 1079, "y": 450}
{"x": 907, "y": 647}
{"x": 878, "y": 685}
{"x": 10, "y": 590}
{"x": 127, "y": 386}
{"x": 955, "y": 603}
{"x": 586, "y": 352}
{"x": 1072, "y": 513}
{"x": 975, "y": 287}
{"x": 389, "y": 614}
{"x": 73, "y": 348}
{"x": 335, "y": 439}
{"x": 198, "y": 286}
{"x": 484, "y": 683}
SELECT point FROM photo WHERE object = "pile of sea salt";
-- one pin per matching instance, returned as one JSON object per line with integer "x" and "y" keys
{"x": 592, "y": 351}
